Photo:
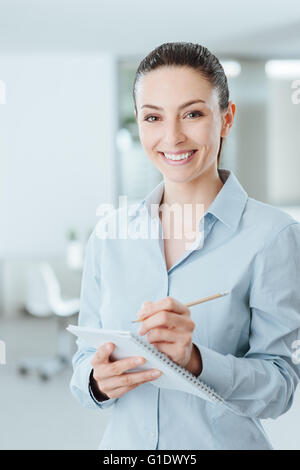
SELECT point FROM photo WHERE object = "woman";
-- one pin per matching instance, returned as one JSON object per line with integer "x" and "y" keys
{"x": 242, "y": 344}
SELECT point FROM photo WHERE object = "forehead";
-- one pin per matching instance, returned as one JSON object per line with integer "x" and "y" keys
{"x": 174, "y": 84}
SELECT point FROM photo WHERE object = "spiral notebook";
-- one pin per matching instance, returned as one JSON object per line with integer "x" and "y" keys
{"x": 129, "y": 344}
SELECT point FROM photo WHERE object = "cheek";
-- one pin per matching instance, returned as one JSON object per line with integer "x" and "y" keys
{"x": 145, "y": 135}
{"x": 216, "y": 127}
{"x": 201, "y": 133}
{"x": 207, "y": 132}
{"x": 148, "y": 137}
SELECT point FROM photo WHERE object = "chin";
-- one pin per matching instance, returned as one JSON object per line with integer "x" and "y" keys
{"x": 178, "y": 178}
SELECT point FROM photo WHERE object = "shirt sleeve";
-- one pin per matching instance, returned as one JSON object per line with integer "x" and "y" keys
{"x": 262, "y": 383}
{"x": 89, "y": 315}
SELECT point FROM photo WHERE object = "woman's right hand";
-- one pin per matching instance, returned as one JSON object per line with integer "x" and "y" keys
{"x": 111, "y": 377}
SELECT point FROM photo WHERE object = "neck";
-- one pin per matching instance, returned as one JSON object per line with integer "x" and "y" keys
{"x": 201, "y": 190}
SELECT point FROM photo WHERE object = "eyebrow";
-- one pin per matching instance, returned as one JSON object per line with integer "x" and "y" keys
{"x": 180, "y": 107}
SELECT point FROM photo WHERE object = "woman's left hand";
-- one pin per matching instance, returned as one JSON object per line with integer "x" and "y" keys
{"x": 171, "y": 331}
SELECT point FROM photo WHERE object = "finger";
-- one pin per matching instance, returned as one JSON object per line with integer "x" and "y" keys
{"x": 118, "y": 392}
{"x": 169, "y": 320}
{"x": 164, "y": 335}
{"x": 119, "y": 367}
{"x": 146, "y": 307}
{"x": 129, "y": 379}
{"x": 102, "y": 354}
{"x": 167, "y": 303}
{"x": 161, "y": 319}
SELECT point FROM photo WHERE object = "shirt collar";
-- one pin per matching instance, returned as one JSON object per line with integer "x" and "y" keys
{"x": 227, "y": 206}
{"x": 230, "y": 201}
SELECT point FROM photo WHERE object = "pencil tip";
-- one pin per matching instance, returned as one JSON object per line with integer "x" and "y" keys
{"x": 226, "y": 292}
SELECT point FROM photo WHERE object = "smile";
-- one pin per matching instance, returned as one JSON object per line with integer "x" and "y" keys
{"x": 180, "y": 159}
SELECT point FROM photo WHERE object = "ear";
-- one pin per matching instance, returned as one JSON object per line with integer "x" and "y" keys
{"x": 228, "y": 119}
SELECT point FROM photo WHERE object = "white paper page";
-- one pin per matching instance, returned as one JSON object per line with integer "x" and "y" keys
{"x": 125, "y": 347}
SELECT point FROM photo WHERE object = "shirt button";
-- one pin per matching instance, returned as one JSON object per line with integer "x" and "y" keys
{"x": 152, "y": 435}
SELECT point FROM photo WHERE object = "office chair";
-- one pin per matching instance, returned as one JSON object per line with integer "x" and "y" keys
{"x": 44, "y": 299}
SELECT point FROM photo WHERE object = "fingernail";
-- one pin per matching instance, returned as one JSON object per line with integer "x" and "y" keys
{"x": 156, "y": 373}
{"x": 139, "y": 360}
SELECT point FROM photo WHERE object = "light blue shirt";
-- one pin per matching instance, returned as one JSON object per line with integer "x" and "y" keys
{"x": 246, "y": 339}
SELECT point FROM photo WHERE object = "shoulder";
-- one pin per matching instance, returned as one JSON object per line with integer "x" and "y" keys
{"x": 272, "y": 218}
{"x": 269, "y": 223}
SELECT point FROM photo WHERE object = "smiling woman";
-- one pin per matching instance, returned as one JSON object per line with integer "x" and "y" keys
{"x": 204, "y": 69}
{"x": 183, "y": 112}
{"x": 240, "y": 345}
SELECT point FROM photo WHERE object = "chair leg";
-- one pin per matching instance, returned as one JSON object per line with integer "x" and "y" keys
{"x": 64, "y": 351}
{"x": 47, "y": 367}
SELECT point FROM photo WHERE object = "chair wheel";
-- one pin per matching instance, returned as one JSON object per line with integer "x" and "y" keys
{"x": 23, "y": 371}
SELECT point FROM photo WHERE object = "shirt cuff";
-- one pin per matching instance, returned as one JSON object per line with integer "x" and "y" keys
{"x": 102, "y": 404}
{"x": 216, "y": 371}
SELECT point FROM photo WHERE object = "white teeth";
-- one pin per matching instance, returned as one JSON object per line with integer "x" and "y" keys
{"x": 178, "y": 157}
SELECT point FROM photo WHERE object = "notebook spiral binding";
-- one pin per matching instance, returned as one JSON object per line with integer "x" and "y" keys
{"x": 185, "y": 373}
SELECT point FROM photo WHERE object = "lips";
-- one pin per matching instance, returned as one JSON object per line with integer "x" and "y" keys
{"x": 180, "y": 152}
{"x": 184, "y": 161}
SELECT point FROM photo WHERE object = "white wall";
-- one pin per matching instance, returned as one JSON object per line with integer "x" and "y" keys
{"x": 284, "y": 148}
{"x": 250, "y": 94}
{"x": 57, "y": 157}
{"x": 57, "y": 148}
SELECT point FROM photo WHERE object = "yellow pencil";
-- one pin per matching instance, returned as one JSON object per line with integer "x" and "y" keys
{"x": 199, "y": 301}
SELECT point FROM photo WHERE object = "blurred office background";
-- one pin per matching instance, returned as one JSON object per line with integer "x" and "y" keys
{"x": 69, "y": 142}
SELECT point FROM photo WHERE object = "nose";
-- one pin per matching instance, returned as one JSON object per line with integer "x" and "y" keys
{"x": 172, "y": 134}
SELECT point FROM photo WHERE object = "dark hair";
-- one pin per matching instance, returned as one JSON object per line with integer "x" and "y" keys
{"x": 191, "y": 55}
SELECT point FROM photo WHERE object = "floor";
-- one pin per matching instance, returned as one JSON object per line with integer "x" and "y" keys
{"x": 36, "y": 414}
{"x": 45, "y": 415}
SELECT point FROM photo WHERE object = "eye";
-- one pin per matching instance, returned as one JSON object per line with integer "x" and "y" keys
{"x": 147, "y": 117}
{"x": 198, "y": 113}
{"x": 154, "y": 118}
